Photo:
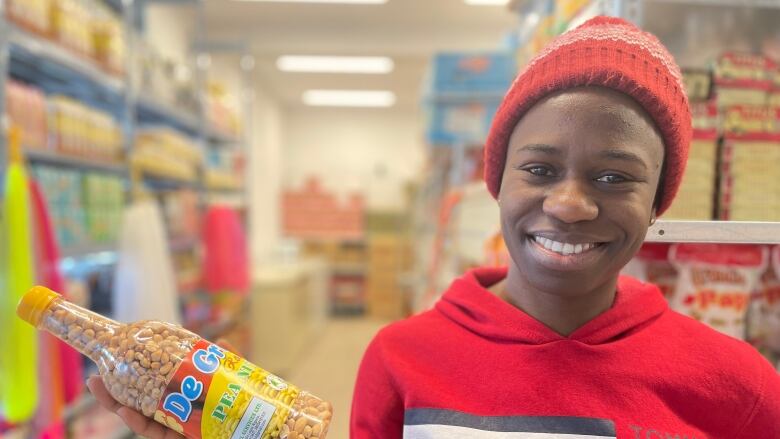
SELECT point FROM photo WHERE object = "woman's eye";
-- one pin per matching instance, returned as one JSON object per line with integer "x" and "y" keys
{"x": 612, "y": 178}
{"x": 540, "y": 171}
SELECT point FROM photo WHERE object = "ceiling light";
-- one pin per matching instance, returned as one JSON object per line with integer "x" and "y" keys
{"x": 487, "y": 2}
{"x": 335, "y": 64}
{"x": 349, "y": 98}
{"x": 344, "y": 2}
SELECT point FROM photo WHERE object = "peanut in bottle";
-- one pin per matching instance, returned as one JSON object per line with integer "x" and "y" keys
{"x": 181, "y": 380}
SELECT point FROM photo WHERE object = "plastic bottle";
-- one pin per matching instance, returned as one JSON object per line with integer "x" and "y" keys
{"x": 181, "y": 380}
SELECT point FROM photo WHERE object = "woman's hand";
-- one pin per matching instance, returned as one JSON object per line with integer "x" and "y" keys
{"x": 140, "y": 424}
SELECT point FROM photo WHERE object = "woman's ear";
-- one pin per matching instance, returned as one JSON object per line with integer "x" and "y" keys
{"x": 652, "y": 216}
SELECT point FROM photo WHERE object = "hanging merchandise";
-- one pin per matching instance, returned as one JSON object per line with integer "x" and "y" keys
{"x": 764, "y": 316}
{"x": 49, "y": 274}
{"x": 17, "y": 364}
{"x": 184, "y": 382}
{"x": 51, "y": 374}
{"x": 653, "y": 258}
{"x": 225, "y": 264}
{"x": 144, "y": 283}
{"x": 716, "y": 282}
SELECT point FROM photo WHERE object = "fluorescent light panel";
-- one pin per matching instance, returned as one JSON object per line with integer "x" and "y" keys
{"x": 349, "y": 98}
{"x": 335, "y": 64}
{"x": 487, "y": 2}
{"x": 343, "y": 2}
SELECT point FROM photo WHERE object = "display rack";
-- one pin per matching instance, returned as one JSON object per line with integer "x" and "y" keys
{"x": 75, "y": 162}
{"x": 35, "y": 59}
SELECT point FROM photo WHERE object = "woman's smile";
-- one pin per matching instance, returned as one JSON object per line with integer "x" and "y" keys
{"x": 565, "y": 256}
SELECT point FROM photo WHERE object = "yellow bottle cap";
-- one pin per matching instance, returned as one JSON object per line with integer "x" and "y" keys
{"x": 34, "y": 303}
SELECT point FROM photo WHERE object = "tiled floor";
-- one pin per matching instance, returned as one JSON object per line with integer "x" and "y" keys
{"x": 330, "y": 368}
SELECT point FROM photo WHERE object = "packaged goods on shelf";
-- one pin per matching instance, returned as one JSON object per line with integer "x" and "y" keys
{"x": 464, "y": 92}
{"x": 743, "y": 79}
{"x": 695, "y": 199}
{"x": 77, "y": 129}
{"x": 698, "y": 84}
{"x": 104, "y": 201}
{"x": 71, "y": 26}
{"x": 750, "y": 159}
{"x": 108, "y": 41}
{"x": 26, "y": 109}
{"x": 774, "y": 97}
{"x": 164, "y": 80}
{"x": 716, "y": 282}
{"x": 31, "y": 14}
{"x": 764, "y": 315}
{"x": 166, "y": 152}
{"x": 63, "y": 190}
{"x": 181, "y": 209}
{"x": 222, "y": 110}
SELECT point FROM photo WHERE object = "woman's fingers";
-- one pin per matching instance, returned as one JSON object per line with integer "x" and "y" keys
{"x": 99, "y": 391}
{"x": 137, "y": 422}
{"x": 144, "y": 426}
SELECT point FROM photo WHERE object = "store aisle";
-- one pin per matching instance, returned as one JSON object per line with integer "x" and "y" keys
{"x": 330, "y": 367}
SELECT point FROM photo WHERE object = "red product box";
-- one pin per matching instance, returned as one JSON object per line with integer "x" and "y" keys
{"x": 743, "y": 122}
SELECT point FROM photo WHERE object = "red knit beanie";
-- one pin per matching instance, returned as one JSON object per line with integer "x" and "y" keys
{"x": 608, "y": 52}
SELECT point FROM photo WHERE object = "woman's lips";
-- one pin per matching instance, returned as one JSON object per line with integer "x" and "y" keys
{"x": 570, "y": 261}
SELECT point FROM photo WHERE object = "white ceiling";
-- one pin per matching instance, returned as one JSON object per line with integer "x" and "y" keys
{"x": 409, "y": 31}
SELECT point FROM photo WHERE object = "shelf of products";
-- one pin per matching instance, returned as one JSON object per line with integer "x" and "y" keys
{"x": 180, "y": 117}
{"x": 44, "y": 49}
{"x": 75, "y": 162}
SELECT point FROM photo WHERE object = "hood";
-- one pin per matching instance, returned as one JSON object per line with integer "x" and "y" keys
{"x": 468, "y": 303}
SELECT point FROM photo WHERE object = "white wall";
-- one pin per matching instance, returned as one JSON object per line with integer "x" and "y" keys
{"x": 168, "y": 29}
{"x": 264, "y": 177}
{"x": 374, "y": 151}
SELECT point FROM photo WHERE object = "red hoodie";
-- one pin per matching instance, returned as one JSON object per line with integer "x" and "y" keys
{"x": 476, "y": 367}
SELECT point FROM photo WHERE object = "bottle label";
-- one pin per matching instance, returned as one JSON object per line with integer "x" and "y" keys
{"x": 217, "y": 394}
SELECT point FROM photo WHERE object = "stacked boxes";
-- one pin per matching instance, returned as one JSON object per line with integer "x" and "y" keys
{"x": 464, "y": 93}
{"x": 389, "y": 259}
{"x": 347, "y": 262}
{"x": 750, "y": 165}
{"x": 312, "y": 213}
{"x": 104, "y": 200}
{"x": 696, "y": 197}
{"x": 750, "y": 153}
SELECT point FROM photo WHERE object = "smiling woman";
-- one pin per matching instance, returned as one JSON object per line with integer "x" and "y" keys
{"x": 587, "y": 148}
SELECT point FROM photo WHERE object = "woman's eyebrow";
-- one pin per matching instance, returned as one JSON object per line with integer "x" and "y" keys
{"x": 539, "y": 147}
{"x": 619, "y": 154}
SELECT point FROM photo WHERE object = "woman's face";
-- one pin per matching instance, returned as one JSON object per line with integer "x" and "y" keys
{"x": 578, "y": 189}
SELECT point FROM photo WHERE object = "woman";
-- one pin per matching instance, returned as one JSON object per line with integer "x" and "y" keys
{"x": 586, "y": 150}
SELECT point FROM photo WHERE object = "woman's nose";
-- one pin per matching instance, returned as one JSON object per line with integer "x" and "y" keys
{"x": 570, "y": 203}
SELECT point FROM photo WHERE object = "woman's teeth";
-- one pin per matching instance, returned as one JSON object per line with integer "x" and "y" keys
{"x": 563, "y": 248}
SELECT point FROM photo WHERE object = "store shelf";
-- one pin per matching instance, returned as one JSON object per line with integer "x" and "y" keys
{"x": 734, "y": 232}
{"x": 150, "y": 168}
{"x": 77, "y": 162}
{"x": 221, "y": 138}
{"x": 42, "y": 49}
{"x": 81, "y": 251}
{"x": 156, "y": 109}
